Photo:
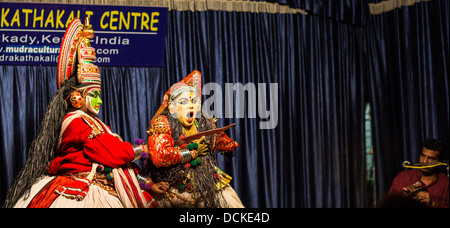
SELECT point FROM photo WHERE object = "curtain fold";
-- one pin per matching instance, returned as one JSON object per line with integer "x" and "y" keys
{"x": 25, "y": 92}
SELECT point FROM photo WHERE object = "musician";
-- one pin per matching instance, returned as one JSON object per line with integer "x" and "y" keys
{"x": 190, "y": 168}
{"x": 426, "y": 185}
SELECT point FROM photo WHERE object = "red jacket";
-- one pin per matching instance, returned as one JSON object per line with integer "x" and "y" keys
{"x": 162, "y": 151}
{"x": 79, "y": 148}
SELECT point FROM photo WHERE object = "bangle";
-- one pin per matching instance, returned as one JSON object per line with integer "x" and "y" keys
{"x": 138, "y": 150}
{"x": 145, "y": 182}
{"x": 185, "y": 155}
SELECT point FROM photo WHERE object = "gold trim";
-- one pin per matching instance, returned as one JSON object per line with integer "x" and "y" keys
{"x": 389, "y": 5}
{"x": 190, "y": 5}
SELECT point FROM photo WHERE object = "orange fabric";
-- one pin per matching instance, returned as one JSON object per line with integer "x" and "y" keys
{"x": 225, "y": 143}
{"x": 162, "y": 153}
{"x": 47, "y": 195}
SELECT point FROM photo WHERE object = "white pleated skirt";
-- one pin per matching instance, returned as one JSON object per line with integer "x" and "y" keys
{"x": 96, "y": 197}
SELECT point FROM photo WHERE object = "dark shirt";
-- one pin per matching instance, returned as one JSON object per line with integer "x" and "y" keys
{"x": 438, "y": 189}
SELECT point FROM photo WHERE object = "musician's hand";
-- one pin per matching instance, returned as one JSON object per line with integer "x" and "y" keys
{"x": 160, "y": 187}
{"x": 423, "y": 197}
{"x": 410, "y": 188}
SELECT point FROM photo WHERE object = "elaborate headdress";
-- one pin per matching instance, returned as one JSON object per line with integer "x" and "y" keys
{"x": 192, "y": 82}
{"x": 76, "y": 59}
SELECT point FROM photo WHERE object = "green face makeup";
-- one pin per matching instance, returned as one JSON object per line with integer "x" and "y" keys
{"x": 95, "y": 99}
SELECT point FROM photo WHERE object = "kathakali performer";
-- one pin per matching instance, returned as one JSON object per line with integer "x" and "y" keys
{"x": 75, "y": 160}
{"x": 190, "y": 169}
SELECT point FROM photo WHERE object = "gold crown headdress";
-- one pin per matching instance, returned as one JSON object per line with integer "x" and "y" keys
{"x": 76, "y": 48}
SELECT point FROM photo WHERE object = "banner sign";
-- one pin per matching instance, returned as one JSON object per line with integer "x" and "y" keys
{"x": 31, "y": 33}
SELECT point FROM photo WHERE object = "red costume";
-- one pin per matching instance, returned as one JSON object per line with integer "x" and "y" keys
{"x": 85, "y": 141}
{"x": 163, "y": 153}
{"x": 194, "y": 178}
{"x": 91, "y": 166}
{"x": 78, "y": 150}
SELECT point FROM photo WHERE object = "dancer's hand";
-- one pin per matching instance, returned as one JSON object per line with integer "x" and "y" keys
{"x": 202, "y": 146}
{"x": 160, "y": 187}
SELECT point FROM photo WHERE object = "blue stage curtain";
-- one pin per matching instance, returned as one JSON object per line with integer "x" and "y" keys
{"x": 409, "y": 84}
{"x": 348, "y": 11}
{"x": 24, "y": 94}
{"x": 313, "y": 158}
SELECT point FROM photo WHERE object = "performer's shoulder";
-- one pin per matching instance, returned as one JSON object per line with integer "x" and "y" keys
{"x": 159, "y": 125}
{"x": 74, "y": 121}
{"x": 159, "y": 119}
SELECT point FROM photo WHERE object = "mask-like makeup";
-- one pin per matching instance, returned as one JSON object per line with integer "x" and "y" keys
{"x": 93, "y": 101}
{"x": 185, "y": 108}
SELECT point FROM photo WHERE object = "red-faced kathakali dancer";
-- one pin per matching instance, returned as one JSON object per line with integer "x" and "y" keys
{"x": 75, "y": 160}
{"x": 190, "y": 168}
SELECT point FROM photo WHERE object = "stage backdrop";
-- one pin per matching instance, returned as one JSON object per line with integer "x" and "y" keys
{"x": 409, "y": 84}
{"x": 326, "y": 67}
